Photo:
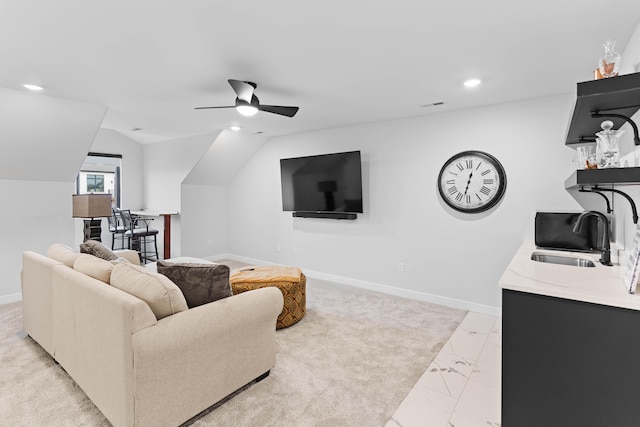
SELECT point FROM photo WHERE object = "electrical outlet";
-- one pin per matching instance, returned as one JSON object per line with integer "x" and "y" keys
{"x": 277, "y": 248}
{"x": 294, "y": 250}
{"x": 401, "y": 267}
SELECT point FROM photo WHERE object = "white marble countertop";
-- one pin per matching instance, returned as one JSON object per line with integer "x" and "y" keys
{"x": 600, "y": 284}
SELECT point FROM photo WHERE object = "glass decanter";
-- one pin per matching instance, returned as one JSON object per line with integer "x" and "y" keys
{"x": 607, "y": 145}
{"x": 610, "y": 62}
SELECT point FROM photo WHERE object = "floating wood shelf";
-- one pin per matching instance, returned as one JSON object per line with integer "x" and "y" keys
{"x": 616, "y": 95}
{"x": 591, "y": 180}
{"x": 618, "y": 176}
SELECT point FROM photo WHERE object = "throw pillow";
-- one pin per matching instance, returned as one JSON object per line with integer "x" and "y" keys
{"x": 200, "y": 283}
{"x": 95, "y": 248}
{"x": 161, "y": 294}
{"x": 63, "y": 254}
{"x": 93, "y": 266}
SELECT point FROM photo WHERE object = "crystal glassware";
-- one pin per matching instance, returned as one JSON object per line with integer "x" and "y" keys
{"x": 607, "y": 145}
{"x": 586, "y": 157}
{"x": 610, "y": 62}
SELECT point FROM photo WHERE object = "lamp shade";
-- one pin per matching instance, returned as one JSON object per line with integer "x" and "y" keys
{"x": 91, "y": 205}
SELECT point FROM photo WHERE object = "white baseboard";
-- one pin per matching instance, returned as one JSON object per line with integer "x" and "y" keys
{"x": 378, "y": 287}
{"x": 8, "y": 299}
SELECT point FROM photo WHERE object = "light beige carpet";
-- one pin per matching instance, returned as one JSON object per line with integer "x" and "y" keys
{"x": 349, "y": 362}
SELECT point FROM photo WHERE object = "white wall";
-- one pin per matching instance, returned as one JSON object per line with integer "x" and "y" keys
{"x": 166, "y": 165}
{"x": 44, "y": 141}
{"x": 449, "y": 257}
{"x": 203, "y": 217}
{"x": 110, "y": 141}
{"x": 630, "y": 154}
{"x": 631, "y": 54}
{"x": 204, "y": 220}
{"x": 35, "y": 214}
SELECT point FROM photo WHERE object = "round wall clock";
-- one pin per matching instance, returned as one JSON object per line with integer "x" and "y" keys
{"x": 472, "y": 181}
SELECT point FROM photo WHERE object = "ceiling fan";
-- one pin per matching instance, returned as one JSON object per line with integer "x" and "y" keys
{"x": 248, "y": 104}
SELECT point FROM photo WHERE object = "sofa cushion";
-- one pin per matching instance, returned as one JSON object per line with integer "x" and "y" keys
{"x": 200, "y": 283}
{"x": 161, "y": 294}
{"x": 63, "y": 254}
{"x": 95, "y": 248}
{"x": 93, "y": 266}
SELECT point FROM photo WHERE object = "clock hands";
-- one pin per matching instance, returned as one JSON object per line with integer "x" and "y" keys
{"x": 468, "y": 182}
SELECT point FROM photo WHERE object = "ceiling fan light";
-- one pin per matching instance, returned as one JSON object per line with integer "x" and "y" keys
{"x": 247, "y": 110}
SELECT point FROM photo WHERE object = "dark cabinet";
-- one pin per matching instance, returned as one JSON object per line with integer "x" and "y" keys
{"x": 568, "y": 363}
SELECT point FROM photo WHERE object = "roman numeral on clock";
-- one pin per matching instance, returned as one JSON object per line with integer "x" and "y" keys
{"x": 459, "y": 166}
{"x": 450, "y": 182}
{"x": 469, "y": 164}
{"x": 484, "y": 190}
{"x": 452, "y": 190}
{"x": 459, "y": 196}
{"x": 488, "y": 181}
{"x": 486, "y": 172}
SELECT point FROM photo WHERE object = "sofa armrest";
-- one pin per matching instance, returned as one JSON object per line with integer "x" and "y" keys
{"x": 129, "y": 255}
{"x": 37, "y": 297}
{"x": 192, "y": 359}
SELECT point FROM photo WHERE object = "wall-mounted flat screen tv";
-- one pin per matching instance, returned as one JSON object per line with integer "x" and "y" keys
{"x": 323, "y": 183}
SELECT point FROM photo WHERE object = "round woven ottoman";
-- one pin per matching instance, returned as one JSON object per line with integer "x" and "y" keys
{"x": 293, "y": 291}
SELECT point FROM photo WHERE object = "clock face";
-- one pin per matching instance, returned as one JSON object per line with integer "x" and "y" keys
{"x": 472, "y": 181}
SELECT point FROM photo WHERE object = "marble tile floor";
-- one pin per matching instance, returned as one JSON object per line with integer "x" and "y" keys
{"x": 461, "y": 387}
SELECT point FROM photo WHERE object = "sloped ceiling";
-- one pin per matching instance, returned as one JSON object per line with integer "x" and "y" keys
{"x": 45, "y": 138}
{"x": 226, "y": 156}
{"x": 342, "y": 62}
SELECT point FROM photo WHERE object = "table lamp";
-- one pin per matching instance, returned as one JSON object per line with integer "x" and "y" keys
{"x": 91, "y": 206}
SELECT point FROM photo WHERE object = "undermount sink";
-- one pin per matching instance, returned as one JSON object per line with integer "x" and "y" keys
{"x": 563, "y": 260}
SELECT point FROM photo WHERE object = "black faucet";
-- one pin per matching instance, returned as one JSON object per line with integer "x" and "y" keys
{"x": 605, "y": 259}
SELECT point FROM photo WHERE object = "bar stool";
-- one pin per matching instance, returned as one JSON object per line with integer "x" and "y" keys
{"x": 139, "y": 238}
{"x": 117, "y": 229}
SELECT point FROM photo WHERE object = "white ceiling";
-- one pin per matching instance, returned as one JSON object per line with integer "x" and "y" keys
{"x": 342, "y": 62}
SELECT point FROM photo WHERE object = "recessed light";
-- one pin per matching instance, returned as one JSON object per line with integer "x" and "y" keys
{"x": 472, "y": 82}
{"x": 33, "y": 87}
{"x": 235, "y": 128}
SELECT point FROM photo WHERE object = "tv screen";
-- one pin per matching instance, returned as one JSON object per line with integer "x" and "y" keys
{"x": 323, "y": 183}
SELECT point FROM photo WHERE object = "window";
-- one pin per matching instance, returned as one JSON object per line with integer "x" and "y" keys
{"x": 95, "y": 183}
{"x": 100, "y": 173}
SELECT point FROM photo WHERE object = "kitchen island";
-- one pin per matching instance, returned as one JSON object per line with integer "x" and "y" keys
{"x": 570, "y": 344}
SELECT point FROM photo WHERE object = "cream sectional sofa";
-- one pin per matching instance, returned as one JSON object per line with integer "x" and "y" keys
{"x": 138, "y": 370}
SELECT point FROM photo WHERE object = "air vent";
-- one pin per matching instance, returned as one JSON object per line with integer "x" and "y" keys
{"x": 433, "y": 104}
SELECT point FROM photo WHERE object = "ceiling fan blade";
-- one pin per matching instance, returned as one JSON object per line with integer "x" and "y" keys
{"x": 243, "y": 90}
{"x": 205, "y": 108}
{"x": 279, "y": 109}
